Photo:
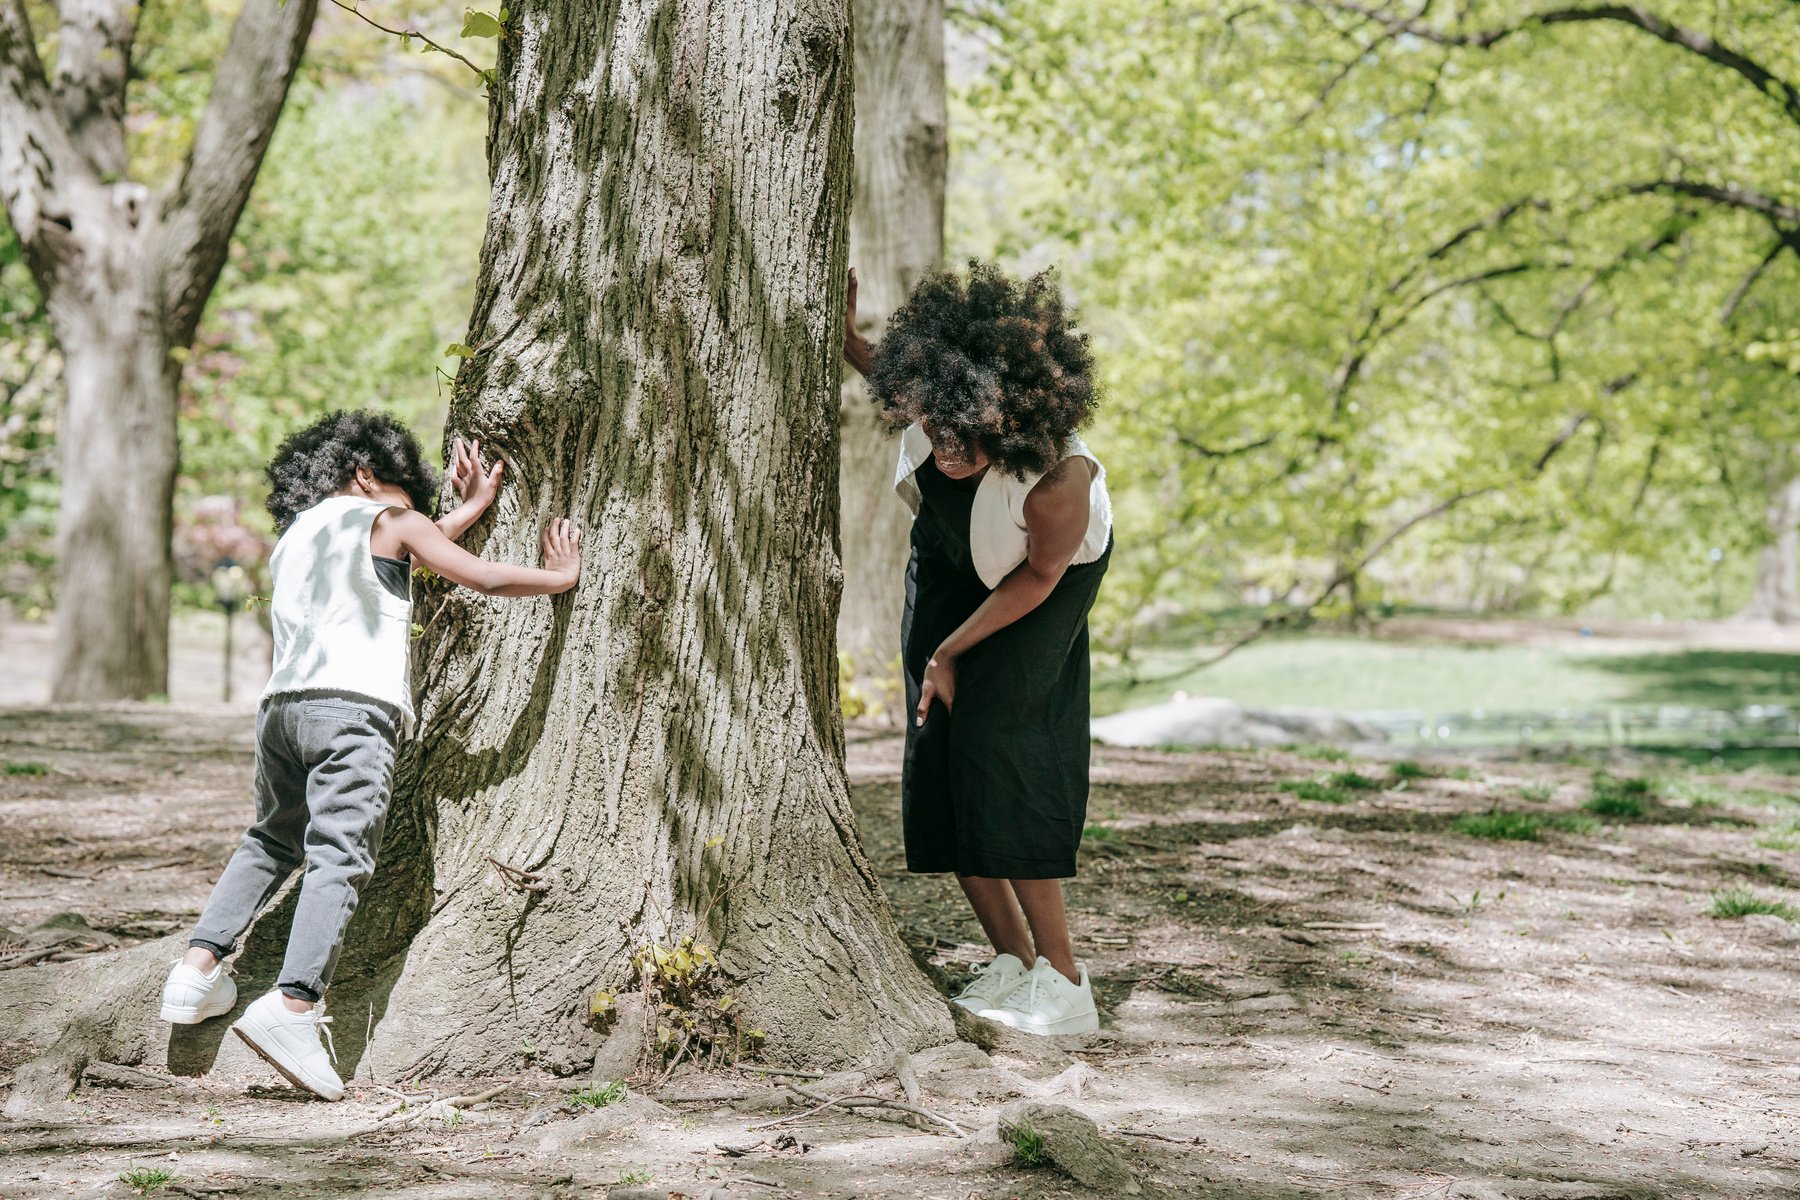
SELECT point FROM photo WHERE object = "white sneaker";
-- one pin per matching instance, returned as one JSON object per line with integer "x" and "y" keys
{"x": 991, "y": 982}
{"x": 191, "y": 996}
{"x": 289, "y": 1042}
{"x": 1044, "y": 1001}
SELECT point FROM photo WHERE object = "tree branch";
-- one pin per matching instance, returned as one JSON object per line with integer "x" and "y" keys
{"x": 1206, "y": 451}
{"x": 207, "y": 197}
{"x": 93, "y": 61}
{"x": 1634, "y": 16}
{"x": 1784, "y": 216}
{"x": 412, "y": 35}
{"x": 37, "y": 159}
{"x": 1729, "y": 310}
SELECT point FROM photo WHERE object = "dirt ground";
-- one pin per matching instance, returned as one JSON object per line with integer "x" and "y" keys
{"x": 1299, "y": 998}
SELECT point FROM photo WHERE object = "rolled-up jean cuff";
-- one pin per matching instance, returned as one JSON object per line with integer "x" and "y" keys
{"x": 218, "y": 951}
{"x": 299, "y": 991}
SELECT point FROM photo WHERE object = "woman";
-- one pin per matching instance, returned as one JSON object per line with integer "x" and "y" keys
{"x": 1012, "y": 529}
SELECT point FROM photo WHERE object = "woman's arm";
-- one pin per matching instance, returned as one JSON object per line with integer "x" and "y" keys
{"x": 857, "y": 349}
{"x": 1056, "y": 522}
{"x": 419, "y": 537}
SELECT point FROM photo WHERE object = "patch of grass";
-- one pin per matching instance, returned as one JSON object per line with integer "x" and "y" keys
{"x": 32, "y": 769}
{"x": 1572, "y": 823}
{"x": 1408, "y": 769}
{"x": 1319, "y": 751}
{"x": 630, "y": 1177}
{"x": 1312, "y": 789}
{"x": 144, "y": 1180}
{"x": 607, "y": 1093}
{"x": 1500, "y": 826}
{"x": 1027, "y": 1144}
{"x": 1742, "y": 902}
{"x": 1463, "y": 773}
{"x": 1356, "y": 781}
{"x": 1099, "y": 833}
{"x": 1698, "y": 793}
{"x": 1785, "y": 836}
{"x": 1537, "y": 793}
{"x": 1610, "y": 796}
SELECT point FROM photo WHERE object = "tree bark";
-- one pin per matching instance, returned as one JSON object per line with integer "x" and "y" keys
{"x": 896, "y": 235}
{"x": 125, "y": 274}
{"x": 657, "y": 329}
{"x": 1777, "y": 593}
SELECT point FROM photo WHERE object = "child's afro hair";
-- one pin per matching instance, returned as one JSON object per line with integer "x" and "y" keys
{"x": 991, "y": 361}
{"x": 321, "y": 459}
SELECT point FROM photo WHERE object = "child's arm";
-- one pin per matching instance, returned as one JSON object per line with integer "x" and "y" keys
{"x": 476, "y": 488}
{"x": 419, "y": 537}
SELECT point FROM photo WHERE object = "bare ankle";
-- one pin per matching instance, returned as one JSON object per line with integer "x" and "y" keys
{"x": 201, "y": 959}
{"x": 295, "y": 1004}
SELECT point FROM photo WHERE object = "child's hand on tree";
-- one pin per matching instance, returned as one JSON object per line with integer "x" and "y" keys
{"x": 562, "y": 551}
{"x": 474, "y": 487}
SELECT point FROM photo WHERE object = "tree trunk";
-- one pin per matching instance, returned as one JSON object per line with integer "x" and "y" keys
{"x": 896, "y": 235}
{"x": 125, "y": 274}
{"x": 115, "y": 513}
{"x": 657, "y": 331}
{"x": 1777, "y": 593}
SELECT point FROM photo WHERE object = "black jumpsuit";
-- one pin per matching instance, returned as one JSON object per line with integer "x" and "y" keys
{"x": 999, "y": 786}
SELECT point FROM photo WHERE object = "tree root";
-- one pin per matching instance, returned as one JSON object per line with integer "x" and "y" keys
{"x": 822, "y": 1103}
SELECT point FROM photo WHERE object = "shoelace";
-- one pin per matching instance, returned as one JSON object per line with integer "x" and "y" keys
{"x": 324, "y": 1024}
{"x": 1028, "y": 985}
{"x": 984, "y": 978}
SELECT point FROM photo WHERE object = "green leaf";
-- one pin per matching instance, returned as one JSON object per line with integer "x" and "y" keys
{"x": 459, "y": 350}
{"x": 481, "y": 24}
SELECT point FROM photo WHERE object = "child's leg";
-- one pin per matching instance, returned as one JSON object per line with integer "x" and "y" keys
{"x": 349, "y": 747}
{"x": 271, "y": 848}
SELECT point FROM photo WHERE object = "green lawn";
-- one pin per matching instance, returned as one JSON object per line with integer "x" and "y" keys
{"x": 1356, "y": 674}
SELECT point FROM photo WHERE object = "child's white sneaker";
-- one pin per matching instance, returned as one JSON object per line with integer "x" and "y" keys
{"x": 991, "y": 982}
{"x": 191, "y": 995}
{"x": 289, "y": 1042}
{"x": 1044, "y": 1001}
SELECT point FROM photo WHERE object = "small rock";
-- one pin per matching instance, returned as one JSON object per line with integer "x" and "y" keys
{"x": 619, "y": 1055}
{"x": 951, "y": 1056}
{"x": 1073, "y": 1145}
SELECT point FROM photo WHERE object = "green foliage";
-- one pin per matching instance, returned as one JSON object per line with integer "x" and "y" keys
{"x": 1312, "y": 789}
{"x": 1027, "y": 1144}
{"x": 1537, "y": 793}
{"x": 1407, "y": 770}
{"x": 1356, "y": 781}
{"x": 1321, "y": 752}
{"x": 1519, "y": 826}
{"x": 27, "y": 768}
{"x": 626, "y": 1178}
{"x": 601, "y": 1095}
{"x": 1379, "y": 310}
{"x": 1613, "y": 797}
{"x": 1743, "y": 902}
{"x": 1785, "y": 836}
{"x": 145, "y": 1180}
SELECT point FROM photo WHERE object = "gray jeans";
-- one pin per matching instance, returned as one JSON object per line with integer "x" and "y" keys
{"x": 324, "y": 767}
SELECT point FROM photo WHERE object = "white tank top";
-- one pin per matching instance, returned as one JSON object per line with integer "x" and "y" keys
{"x": 336, "y": 628}
{"x": 998, "y": 540}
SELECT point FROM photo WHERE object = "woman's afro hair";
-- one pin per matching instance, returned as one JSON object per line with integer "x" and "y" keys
{"x": 321, "y": 459}
{"x": 991, "y": 361}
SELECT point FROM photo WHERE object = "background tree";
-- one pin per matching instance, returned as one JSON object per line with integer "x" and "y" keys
{"x": 125, "y": 270}
{"x": 896, "y": 235}
{"x": 1379, "y": 293}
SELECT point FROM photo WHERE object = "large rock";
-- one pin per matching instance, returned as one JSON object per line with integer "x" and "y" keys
{"x": 1208, "y": 721}
{"x": 1071, "y": 1143}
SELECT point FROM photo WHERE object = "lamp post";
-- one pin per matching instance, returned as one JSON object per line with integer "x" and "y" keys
{"x": 230, "y": 584}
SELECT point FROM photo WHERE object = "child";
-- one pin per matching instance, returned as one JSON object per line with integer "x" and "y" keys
{"x": 346, "y": 494}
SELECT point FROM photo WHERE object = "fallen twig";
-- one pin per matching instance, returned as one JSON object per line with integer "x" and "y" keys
{"x": 821, "y": 1103}
{"x": 525, "y": 881}
{"x": 1196, "y": 1140}
{"x": 781, "y": 1071}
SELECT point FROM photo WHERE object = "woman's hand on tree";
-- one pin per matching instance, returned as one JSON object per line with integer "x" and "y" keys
{"x": 939, "y": 685}
{"x": 857, "y": 350}
{"x": 562, "y": 551}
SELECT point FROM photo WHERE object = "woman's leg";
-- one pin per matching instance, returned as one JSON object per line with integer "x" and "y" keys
{"x": 997, "y": 909}
{"x": 1042, "y": 900}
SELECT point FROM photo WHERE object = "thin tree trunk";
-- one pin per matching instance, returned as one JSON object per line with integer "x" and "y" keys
{"x": 657, "y": 330}
{"x": 115, "y": 514}
{"x": 1777, "y": 593}
{"x": 896, "y": 235}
